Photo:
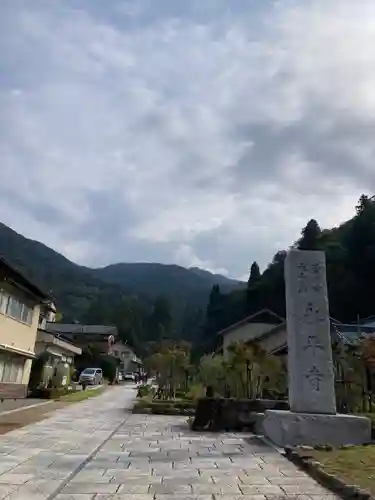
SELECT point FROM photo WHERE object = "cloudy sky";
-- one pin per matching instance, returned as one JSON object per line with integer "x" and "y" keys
{"x": 197, "y": 132}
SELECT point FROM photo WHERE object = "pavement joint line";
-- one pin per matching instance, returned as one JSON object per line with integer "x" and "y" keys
{"x": 88, "y": 459}
{"x": 36, "y": 405}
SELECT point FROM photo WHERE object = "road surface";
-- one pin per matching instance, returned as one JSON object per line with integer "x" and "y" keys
{"x": 97, "y": 450}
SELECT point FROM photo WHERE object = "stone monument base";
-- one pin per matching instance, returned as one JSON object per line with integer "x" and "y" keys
{"x": 310, "y": 429}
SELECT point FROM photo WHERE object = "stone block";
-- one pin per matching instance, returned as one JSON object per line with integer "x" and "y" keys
{"x": 288, "y": 428}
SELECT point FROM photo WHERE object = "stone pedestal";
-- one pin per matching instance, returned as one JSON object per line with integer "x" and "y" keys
{"x": 293, "y": 429}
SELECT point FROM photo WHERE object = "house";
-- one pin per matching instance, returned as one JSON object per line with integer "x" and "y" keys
{"x": 129, "y": 362}
{"x": 250, "y": 328}
{"x": 103, "y": 338}
{"x": 56, "y": 351}
{"x": 20, "y": 303}
{"x": 261, "y": 329}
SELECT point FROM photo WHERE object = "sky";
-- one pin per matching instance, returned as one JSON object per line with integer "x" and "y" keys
{"x": 200, "y": 133}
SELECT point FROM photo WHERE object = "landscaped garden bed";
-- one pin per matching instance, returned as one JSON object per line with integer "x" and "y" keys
{"x": 348, "y": 471}
{"x": 165, "y": 407}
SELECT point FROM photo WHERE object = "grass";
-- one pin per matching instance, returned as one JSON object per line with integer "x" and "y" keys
{"x": 355, "y": 465}
{"x": 75, "y": 397}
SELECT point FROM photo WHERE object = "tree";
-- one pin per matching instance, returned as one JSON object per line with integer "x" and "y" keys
{"x": 364, "y": 203}
{"x": 255, "y": 275}
{"x": 213, "y": 313}
{"x": 212, "y": 372}
{"x": 170, "y": 363}
{"x": 160, "y": 320}
{"x": 251, "y": 370}
{"x": 253, "y": 297}
{"x": 310, "y": 236}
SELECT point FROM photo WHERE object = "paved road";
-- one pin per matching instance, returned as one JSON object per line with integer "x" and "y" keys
{"x": 95, "y": 450}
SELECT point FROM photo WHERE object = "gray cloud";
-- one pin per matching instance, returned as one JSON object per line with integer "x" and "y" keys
{"x": 201, "y": 133}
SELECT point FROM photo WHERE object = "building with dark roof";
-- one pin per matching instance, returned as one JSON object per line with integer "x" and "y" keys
{"x": 20, "y": 304}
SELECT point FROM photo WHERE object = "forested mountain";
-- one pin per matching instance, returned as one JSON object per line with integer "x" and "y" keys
{"x": 147, "y": 300}
{"x": 350, "y": 256}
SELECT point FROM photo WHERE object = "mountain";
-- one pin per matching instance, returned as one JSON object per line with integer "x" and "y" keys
{"x": 170, "y": 280}
{"x": 76, "y": 287}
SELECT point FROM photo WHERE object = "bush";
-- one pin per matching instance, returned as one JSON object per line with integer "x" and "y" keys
{"x": 165, "y": 407}
{"x": 195, "y": 392}
{"x": 145, "y": 390}
{"x": 50, "y": 393}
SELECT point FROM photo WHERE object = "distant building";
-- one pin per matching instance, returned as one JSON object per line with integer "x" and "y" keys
{"x": 57, "y": 351}
{"x": 251, "y": 328}
{"x": 20, "y": 304}
{"x": 103, "y": 337}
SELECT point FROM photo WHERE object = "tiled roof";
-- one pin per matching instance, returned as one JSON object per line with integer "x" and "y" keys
{"x": 252, "y": 319}
{"x": 351, "y": 334}
{"x": 29, "y": 284}
{"x": 77, "y": 329}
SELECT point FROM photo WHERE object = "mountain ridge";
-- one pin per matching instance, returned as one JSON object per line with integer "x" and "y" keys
{"x": 75, "y": 286}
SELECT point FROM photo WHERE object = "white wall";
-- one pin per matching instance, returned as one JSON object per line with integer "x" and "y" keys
{"x": 245, "y": 333}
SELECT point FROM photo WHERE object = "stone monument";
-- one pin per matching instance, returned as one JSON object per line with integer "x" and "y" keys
{"x": 312, "y": 418}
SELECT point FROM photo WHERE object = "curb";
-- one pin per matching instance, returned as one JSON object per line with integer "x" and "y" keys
{"x": 329, "y": 481}
{"x": 8, "y": 412}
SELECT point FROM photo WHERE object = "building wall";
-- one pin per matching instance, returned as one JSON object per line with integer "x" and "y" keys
{"x": 15, "y": 368}
{"x": 275, "y": 341}
{"x": 15, "y": 332}
{"x": 245, "y": 333}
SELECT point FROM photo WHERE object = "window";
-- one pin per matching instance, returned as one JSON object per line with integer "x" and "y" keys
{"x": 19, "y": 310}
{"x": 11, "y": 369}
{"x": 4, "y": 297}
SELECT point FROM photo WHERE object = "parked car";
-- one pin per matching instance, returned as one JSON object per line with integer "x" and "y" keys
{"x": 91, "y": 376}
{"x": 129, "y": 377}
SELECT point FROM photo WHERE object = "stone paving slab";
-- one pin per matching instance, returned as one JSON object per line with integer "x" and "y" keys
{"x": 38, "y": 459}
{"x": 96, "y": 450}
{"x": 158, "y": 458}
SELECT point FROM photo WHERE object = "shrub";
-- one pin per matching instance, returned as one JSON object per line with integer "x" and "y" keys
{"x": 145, "y": 390}
{"x": 165, "y": 407}
{"x": 50, "y": 393}
{"x": 195, "y": 392}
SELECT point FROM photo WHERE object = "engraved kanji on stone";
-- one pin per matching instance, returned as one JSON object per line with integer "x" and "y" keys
{"x": 316, "y": 268}
{"x": 317, "y": 288}
{"x": 303, "y": 270}
{"x": 315, "y": 377}
{"x": 312, "y": 315}
{"x": 313, "y": 344}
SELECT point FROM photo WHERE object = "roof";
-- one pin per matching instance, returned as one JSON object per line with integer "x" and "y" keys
{"x": 57, "y": 336}
{"x": 77, "y": 329}
{"x": 351, "y": 334}
{"x": 252, "y": 319}
{"x": 32, "y": 287}
{"x": 345, "y": 335}
{"x": 369, "y": 321}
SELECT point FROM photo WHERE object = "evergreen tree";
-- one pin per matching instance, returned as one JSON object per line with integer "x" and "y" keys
{"x": 310, "y": 236}
{"x": 255, "y": 275}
